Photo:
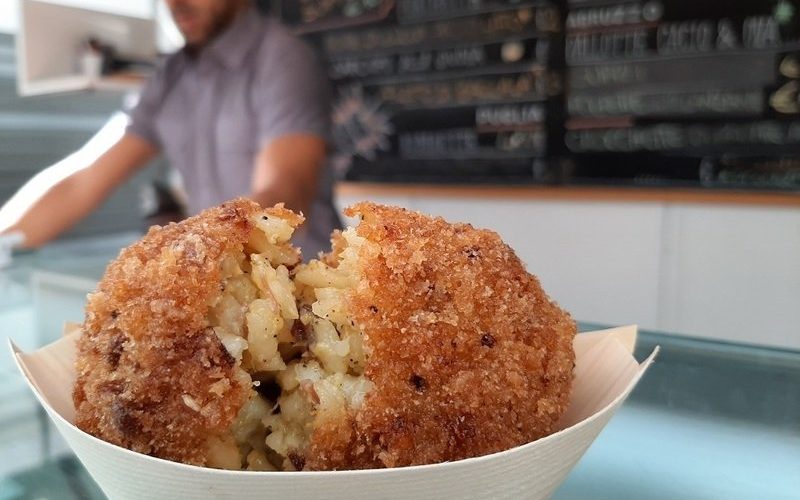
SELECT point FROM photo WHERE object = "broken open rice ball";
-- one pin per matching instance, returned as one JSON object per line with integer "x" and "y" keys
{"x": 429, "y": 342}
{"x": 181, "y": 327}
{"x": 414, "y": 341}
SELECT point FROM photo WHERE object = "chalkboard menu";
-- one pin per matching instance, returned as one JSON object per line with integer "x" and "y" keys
{"x": 442, "y": 90}
{"x": 693, "y": 92}
{"x": 684, "y": 92}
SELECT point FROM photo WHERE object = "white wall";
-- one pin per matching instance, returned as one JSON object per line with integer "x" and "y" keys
{"x": 9, "y": 13}
{"x": 714, "y": 271}
{"x": 9, "y": 9}
{"x": 139, "y": 8}
{"x": 168, "y": 38}
{"x": 732, "y": 273}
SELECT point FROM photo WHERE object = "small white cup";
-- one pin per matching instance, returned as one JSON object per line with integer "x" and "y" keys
{"x": 92, "y": 65}
{"x": 7, "y": 243}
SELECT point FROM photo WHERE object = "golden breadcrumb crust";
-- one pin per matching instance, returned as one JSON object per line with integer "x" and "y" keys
{"x": 152, "y": 376}
{"x": 467, "y": 354}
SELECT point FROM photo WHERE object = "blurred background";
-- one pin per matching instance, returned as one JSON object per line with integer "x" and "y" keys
{"x": 642, "y": 157}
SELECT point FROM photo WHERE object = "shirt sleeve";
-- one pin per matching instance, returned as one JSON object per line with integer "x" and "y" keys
{"x": 142, "y": 115}
{"x": 291, "y": 92}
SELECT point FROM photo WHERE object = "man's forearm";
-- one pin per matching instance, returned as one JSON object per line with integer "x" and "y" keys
{"x": 288, "y": 170}
{"x": 63, "y": 194}
{"x": 58, "y": 209}
{"x": 41, "y": 213}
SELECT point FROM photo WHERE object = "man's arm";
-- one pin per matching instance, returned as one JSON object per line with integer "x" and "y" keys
{"x": 51, "y": 202}
{"x": 287, "y": 170}
{"x": 291, "y": 104}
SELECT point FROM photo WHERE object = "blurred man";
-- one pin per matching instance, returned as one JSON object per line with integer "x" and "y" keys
{"x": 241, "y": 110}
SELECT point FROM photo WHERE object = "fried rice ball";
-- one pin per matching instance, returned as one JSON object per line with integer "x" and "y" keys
{"x": 178, "y": 328}
{"x": 429, "y": 342}
{"x": 414, "y": 341}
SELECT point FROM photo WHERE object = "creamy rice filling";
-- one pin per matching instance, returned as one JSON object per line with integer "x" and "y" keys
{"x": 286, "y": 325}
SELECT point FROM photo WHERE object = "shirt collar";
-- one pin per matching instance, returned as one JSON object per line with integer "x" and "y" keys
{"x": 232, "y": 45}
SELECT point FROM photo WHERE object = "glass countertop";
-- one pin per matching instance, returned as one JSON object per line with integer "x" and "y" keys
{"x": 710, "y": 420}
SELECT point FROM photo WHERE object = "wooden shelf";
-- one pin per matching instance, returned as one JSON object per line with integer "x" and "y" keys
{"x": 74, "y": 83}
{"x": 49, "y": 40}
{"x": 573, "y": 193}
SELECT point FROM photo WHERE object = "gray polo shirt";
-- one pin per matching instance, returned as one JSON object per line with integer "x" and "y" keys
{"x": 211, "y": 114}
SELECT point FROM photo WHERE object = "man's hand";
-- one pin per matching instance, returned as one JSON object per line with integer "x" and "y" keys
{"x": 63, "y": 194}
{"x": 287, "y": 170}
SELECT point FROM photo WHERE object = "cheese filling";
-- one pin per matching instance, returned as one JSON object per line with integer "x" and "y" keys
{"x": 286, "y": 325}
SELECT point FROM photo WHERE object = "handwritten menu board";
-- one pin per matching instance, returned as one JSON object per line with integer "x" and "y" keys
{"x": 678, "y": 92}
{"x": 691, "y": 92}
{"x": 449, "y": 90}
